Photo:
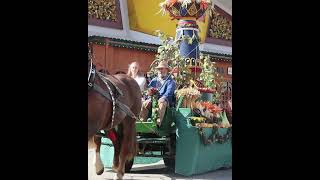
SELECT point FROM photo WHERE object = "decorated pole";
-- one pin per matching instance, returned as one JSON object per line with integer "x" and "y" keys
{"x": 195, "y": 74}
{"x": 187, "y": 31}
{"x": 187, "y": 12}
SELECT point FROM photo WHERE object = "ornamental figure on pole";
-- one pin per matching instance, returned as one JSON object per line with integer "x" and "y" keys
{"x": 188, "y": 12}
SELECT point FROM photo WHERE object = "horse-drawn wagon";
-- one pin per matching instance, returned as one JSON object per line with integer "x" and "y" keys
{"x": 195, "y": 135}
{"x": 185, "y": 146}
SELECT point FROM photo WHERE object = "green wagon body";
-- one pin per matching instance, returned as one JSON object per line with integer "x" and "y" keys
{"x": 179, "y": 144}
{"x": 192, "y": 156}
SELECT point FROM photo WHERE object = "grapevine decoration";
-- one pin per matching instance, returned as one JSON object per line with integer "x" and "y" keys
{"x": 155, "y": 105}
{"x": 208, "y": 73}
{"x": 211, "y": 79}
{"x": 169, "y": 51}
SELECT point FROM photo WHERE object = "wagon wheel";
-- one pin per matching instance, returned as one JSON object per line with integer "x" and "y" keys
{"x": 171, "y": 161}
{"x": 128, "y": 165}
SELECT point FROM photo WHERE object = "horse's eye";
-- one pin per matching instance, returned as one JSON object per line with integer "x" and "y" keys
{"x": 204, "y": 109}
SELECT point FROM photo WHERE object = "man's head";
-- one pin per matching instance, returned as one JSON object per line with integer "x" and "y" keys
{"x": 163, "y": 69}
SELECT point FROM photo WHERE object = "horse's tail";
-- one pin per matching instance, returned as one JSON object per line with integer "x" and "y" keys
{"x": 132, "y": 143}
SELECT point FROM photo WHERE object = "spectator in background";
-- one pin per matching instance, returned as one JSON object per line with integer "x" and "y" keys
{"x": 135, "y": 73}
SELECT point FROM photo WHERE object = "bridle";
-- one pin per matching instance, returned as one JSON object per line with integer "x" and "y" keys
{"x": 92, "y": 71}
{"x": 92, "y": 75}
{"x": 92, "y": 85}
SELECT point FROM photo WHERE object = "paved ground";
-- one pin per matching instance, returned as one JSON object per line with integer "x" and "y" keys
{"x": 157, "y": 171}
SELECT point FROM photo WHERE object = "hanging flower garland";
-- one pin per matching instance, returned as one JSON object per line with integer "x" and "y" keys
{"x": 215, "y": 137}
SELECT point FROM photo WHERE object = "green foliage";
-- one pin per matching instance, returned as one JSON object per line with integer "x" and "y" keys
{"x": 208, "y": 73}
{"x": 210, "y": 77}
{"x": 169, "y": 51}
{"x": 155, "y": 107}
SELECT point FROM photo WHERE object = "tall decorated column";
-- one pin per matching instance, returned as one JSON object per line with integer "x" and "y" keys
{"x": 188, "y": 12}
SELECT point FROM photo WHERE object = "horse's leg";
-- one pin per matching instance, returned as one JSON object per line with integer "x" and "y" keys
{"x": 98, "y": 163}
{"x": 116, "y": 145}
{"x": 91, "y": 154}
{"x": 128, "y": 145}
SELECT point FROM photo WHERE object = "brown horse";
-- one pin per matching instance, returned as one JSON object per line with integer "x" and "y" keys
{"x": 114, "y": 102}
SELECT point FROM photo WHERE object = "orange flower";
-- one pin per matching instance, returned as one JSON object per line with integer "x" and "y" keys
{"x": 172, "y": 2}
{"x": 203, "y": 5}
{"x": 211, "y": 107}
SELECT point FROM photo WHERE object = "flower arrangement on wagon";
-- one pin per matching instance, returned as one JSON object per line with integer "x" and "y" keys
{"x": 197, "y": 90}
{"x": 211, "y": 114}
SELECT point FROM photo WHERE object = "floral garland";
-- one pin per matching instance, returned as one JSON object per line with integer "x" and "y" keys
{"x": 215, "y": 137}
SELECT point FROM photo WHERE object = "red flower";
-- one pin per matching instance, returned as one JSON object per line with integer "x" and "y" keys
{"x": 206, "y": 90}
{"x": 152, "y": 91}
{"x": 203, "y": 5}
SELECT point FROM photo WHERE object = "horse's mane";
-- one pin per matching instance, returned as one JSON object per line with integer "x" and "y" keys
{"x": 104, "y": 71}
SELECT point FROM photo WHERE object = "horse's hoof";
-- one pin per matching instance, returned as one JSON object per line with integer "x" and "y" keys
{"x": 100, "y": 171}
{"x": 114, "y": 169}
{"x": 118, "y": 177}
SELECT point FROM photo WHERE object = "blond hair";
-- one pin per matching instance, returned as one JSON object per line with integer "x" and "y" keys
{"x": 129, "y": 73}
